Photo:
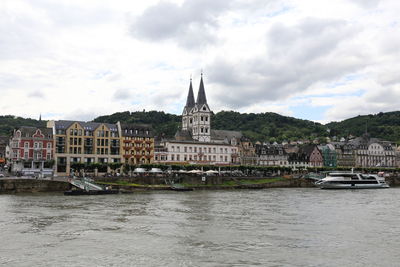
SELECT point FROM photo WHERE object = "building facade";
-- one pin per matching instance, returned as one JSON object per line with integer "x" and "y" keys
{"x": 329, "y": 155}
{"x": 3, "y": 150}
{"x": 85, "y": 142}
{"x": 271, "y": 155}
{"x": 31, "y": 151}
{"x": 137, "y": 144}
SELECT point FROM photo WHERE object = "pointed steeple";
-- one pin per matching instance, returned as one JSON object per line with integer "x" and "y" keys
{"x": 201, "y": 96}
{"x": 40, "y": 117}
{"x": 190, "y": 98}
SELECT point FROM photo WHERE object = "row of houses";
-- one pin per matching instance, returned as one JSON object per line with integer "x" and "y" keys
{"x": 63, "y": 145}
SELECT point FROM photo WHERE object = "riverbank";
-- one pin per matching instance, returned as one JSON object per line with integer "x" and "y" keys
{"x": 130, "y": 184}
{"x": 146, "y": 183}
{"x": 32, "y": 186}
{"x": 211, "y": 183}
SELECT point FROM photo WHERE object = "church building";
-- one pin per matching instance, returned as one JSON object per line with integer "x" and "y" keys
{"x": 195, "y": 142}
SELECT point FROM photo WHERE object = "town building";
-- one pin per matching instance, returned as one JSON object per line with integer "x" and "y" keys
{"x": 195, "y": 142}
{"x": 3, "y": 150}
{"x": 345, "y": 154}
{"x": 85, "y": 142}
{"x": 373, "y": 152}
{"x": 306, "y": 156}
{"x": 329, "y": 155}
{"x": 137, "y": 143}
{"x": 31, "y": 151}
{"x": 247, "y": 152}
{"x": 271, "y": 155}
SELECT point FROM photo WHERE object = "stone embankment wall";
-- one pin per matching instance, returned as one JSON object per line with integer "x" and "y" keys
{"x": 210, "y": 182}
{"x": 393, "y": 181}
{"x": 32, "y": 186}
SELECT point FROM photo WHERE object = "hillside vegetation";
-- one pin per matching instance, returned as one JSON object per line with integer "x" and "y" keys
{"x": 382, "y": 125}
{"x": 258, "y": 127}
{"x": 263, "y": 127}
{"x": 9, "y": 122}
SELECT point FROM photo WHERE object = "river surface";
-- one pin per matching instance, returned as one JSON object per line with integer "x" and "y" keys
{"x": 272, "y": 227}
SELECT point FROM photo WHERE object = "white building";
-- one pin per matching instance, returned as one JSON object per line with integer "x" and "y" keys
{"x": 196, "y": 142}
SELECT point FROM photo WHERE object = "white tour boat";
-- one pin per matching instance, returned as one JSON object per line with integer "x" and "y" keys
{"x": 351, "y": 180}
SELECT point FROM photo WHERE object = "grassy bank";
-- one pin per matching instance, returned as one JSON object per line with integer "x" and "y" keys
{"x": 231, "y": 183}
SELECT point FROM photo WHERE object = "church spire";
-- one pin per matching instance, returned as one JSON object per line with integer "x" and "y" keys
{"x": 201, "y": 96}
{"x": 190, "y": 98}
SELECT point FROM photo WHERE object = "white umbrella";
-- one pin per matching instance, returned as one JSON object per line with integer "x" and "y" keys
{"x": 139, "y": 170}
{"x": 195, "y": 171}
{"x": 211, "y": 172}
{"x": 156, "y": 170}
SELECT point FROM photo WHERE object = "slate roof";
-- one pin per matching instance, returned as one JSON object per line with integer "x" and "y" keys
{"x": 138, "y": 130}
{"x": 65, "y": 124}
{"x": 223, "y": 134}
{"x": 201, "y": 96}
{"x": 190, "y": 98}
{"x": 183, "y": 135}
{"x": 32, "y": 130}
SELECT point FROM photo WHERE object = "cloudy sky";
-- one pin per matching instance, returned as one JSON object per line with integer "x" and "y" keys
{"x": 311, "y": 59}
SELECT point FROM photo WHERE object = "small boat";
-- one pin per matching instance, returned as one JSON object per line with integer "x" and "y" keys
{"x": 90, "y": 192}
{"x": 180, "y": 187}
{"x": 350, "y": 180}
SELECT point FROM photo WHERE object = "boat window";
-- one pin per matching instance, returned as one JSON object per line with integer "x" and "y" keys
{"x": 354, "y": 177}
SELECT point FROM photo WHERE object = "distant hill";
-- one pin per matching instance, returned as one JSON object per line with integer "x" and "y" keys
{"x": 263, "y": 127}
{"x": 258, "y": 127}
{"x": 382, "y": 125}
{"x": 163, "y": 123}
{"x": 9, "y": 122}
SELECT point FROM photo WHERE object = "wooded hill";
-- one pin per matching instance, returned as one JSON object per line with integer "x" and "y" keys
{"x": 262, "y": 126}
{"x": 9, "y": 122}
{"x": 382, "y": 125}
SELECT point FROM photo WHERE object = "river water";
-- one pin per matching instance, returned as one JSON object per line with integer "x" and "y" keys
{"x": 272, "y": 227}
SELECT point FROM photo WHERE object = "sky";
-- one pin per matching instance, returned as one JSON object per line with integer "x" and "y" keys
{"x": 317, "y": 60}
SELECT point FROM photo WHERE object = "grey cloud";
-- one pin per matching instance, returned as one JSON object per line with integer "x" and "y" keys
{"x": 194, "y": 23}
{"x": 296, "y": 58}
{"x": 366, "y": 3}
{"x": 191, "y": 24}
{"x": 121, "y": 94}
{"x": 37, "y": 94}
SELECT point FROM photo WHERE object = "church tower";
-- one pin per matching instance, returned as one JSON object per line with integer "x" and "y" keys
{"x": 187, "y": 115}
{"x": 201, "y": 115}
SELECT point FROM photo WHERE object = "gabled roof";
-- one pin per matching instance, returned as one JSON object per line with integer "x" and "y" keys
{"x": 139, "y": 130}
{"x": 91, "y": 126}
{"x": 201, "y": 96}
{"x": 183, "y": 135}
{"x": 190, "y": 98}
{"x": 32, "y": 130}
{"x": 223, "y": 134}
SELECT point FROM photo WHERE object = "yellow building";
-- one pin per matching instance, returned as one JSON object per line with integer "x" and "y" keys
{"x": 137, "y": 144}
{"x": 87, "y": 143}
